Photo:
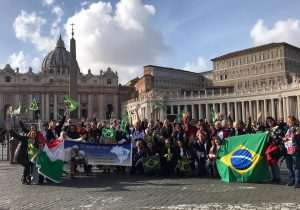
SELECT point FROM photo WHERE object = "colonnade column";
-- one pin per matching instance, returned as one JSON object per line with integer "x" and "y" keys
{"x": 287, "y": 106}
{"x": 284, "y": 109}
{"x": 193, "y": 111}
{"x": 55, "y": 107}
{"x": 78, "y": 107}
{"x": 200, "y": 111}
{"x": 47, "y": 107}
{"x": 172, "y": 110}
{"x": 42, "y": 112}
{"x": 235, "y": 112}
{"x": 273, "y": 107}
{"x": 257, "y": 108}
{"x": 207, "y": 112}
{"x": 30, "y": 114}
{"x": 243, "y": 111}
{"x": 250, "y": 109}
{"x": 101, "y": 101}
{"x": 90, "y": 109}
{"x": 265, "y": 109}
{"x": 280, "y": 107}
{"x": 228, "y": 109}
{"x": 214, "y": 107}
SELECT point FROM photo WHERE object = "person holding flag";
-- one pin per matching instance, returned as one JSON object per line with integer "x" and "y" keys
{"x": 54, "y": 130}
{"x": 29, "y": 147}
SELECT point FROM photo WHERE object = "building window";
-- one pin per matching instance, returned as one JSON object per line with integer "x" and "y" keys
{"x": 108, "y": 81}
{"x": 7, "y": 79}
{"x": 270, "y": 55}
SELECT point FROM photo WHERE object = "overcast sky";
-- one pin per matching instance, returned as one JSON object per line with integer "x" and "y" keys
{"x": 129, "y": 34}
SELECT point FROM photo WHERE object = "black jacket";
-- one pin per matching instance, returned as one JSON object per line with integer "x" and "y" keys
{"x": 49, "y": 133}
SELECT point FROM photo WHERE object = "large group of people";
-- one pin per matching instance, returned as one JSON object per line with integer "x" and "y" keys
{"x": 194, "y": 141}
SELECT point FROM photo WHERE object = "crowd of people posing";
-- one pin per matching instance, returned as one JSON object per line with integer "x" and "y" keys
{"x": 197, "y": 142}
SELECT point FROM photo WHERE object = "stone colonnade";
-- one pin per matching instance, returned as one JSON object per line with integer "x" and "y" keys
{"x": 281, "y": 107}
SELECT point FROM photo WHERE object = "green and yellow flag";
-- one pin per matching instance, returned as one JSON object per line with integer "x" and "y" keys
{"x": 241, "y": 159}
{"x": 213, "y": 116}
{"x": 124, "y": 121}
{"x": 108, "y": 134}
{"x": 32, "y": 151}
{"x": 33, "y": 106}
{"x": 184, "y": 167}
{"x": 70, "y": 104}
{"x": 151, "y": 163}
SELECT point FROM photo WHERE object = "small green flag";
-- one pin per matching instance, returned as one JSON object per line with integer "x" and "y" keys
{"x": 108, "y": 134}
{"x": 33, "y": 106}
{"x": 70, "y": 104}
{"x": 242, "y": 159}
{"x": 213, "y": 116}
{"x": 183, "y": 116}
{"x": 124, "y": 121}
{"x": 16, "y": 111}
{"x": 158, "y": 105}
{"x": 151, "y": 163}
{"x": 32, "y": 151}
{"x": 184, "y": 167}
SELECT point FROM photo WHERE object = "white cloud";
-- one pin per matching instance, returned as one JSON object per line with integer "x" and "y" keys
{"x": 48, "y": 2}
{"x": 27, "y": 27}
{"x": 23, "y": 62}
{"x": 282, "y": 31}
{"x": 122, "y": 39}
{"x": 55, "y": 27}
{"x": 199, "y": 66}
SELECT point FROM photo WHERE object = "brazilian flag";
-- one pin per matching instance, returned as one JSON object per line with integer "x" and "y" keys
{"x": 70, "y": 104}
{"x": 242, "y": 159}
{"x": 151, "y": 163}
{"x": 184, "y": 167}
{"x": 108, "y": 134}
{"x": 32, "y": 151}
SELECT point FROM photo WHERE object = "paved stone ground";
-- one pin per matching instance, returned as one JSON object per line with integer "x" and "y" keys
{"x": 113, "y": 191}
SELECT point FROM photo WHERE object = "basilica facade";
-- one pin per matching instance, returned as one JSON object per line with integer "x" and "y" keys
{"x": 243, "y": 83}
{"x": 95, "y": 94}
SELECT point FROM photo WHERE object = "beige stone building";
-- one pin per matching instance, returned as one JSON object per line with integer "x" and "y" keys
{"x": 96, "y": 94}
{"x": 263, "y": 78}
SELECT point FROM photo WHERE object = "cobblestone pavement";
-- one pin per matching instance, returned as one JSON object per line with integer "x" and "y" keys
{"x": 113, "y": 191}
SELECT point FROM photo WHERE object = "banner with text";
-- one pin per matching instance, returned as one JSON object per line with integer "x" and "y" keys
{"x": 102, "y": 154}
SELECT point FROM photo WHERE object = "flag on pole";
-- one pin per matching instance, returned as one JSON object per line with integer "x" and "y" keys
{"x": 33, "y": 106}
{"x": 183, "y": 116}
{"x": 124, "y": 120}
{"x": 213, "y": 116}
{"x": 242, "y": 159}
{"x": 16, "y": 111}
{"x": 158, "y": 105}
{"x": 70, "y": 104}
